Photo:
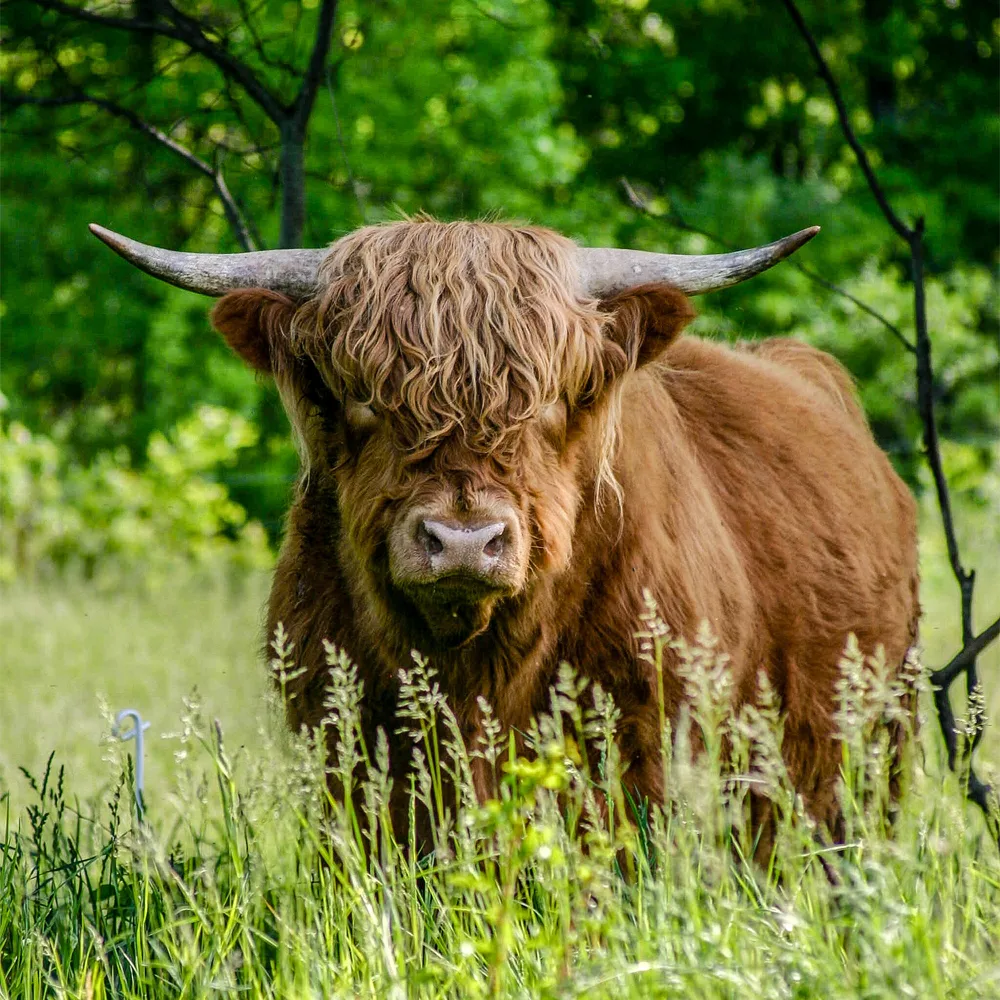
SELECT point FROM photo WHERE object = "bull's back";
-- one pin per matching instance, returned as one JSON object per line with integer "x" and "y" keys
{"x": 816, "y": 367}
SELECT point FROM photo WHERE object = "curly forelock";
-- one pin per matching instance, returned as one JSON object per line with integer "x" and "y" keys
{"x": 467, "y": 328}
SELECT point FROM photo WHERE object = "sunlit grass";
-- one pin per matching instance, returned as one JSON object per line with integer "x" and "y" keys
{"x": 245, "y": 881}
{"x": 67, "y": 648}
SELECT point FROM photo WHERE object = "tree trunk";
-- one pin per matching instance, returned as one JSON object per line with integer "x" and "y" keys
{"x": 292, "y": 177}
{"x": 876, "y": 60}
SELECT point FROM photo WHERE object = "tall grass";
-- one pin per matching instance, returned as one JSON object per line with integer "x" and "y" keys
{"x": 245, "y": 878}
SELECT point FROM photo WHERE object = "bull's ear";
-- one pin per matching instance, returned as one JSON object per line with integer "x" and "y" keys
{"x": 253, "y": 321}
{"x": 647, "y": 320}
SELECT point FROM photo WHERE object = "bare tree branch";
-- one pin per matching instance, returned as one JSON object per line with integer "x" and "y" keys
{"x": 494, "y": 15}
{"x": 845, "y": 123}
{"x": 166, "y": 20}
{"x": 233, "y": 213}
{"x": 293, "y": 131}
{"x": 679, "y": 222}
{"x": 914, "y": 238}
{"x": 258, "y": 43}
{"x": 316, "y": 70}
{"x": 961, "y": 660}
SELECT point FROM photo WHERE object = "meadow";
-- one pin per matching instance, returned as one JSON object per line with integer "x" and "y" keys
{"x": 239, "y": 882}
{"x": 132, "y": 441}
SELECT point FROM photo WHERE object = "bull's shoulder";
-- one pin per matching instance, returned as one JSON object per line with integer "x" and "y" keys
{"x": 774, "y": 418}
{"x": 748, "y": 374}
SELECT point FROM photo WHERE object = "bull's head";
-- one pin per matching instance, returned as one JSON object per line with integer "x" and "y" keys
{"x": 453, "y": 390}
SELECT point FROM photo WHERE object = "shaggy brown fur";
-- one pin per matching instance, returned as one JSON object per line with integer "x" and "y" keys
{"x": 752, "y": 493}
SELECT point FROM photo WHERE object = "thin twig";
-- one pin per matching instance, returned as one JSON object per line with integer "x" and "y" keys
{"x": 487, "y": 11}
{"x": 678, "y": 221}
{"x": 914, "y": 239}
{"x": 316, "y": 70}
{"x": 259, "y": 44}
{"x": 167, "y": 20}
{"x": 961, "y": 660}
{"x": 845, "y": 123}
{"x": 182, "y": 28}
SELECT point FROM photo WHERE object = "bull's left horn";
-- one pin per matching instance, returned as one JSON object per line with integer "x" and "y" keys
{"x": 290, "y": 271}
{"x": 608, "y": 271}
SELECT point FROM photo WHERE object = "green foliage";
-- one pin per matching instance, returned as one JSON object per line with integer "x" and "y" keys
{"x": 246, "y": 876}
{"x": 112, "y": 521}
{"x": 532, "y": 110}
{"x": 149, "y": 443}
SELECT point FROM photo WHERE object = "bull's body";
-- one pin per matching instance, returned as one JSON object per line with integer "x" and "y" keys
{"x": 505, "y": 444}
{"x": 754, "y": 497}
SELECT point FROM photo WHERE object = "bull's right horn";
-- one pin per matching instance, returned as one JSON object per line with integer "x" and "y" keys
{"x": 292, "y": 272}
{"x": 607, "y": 271}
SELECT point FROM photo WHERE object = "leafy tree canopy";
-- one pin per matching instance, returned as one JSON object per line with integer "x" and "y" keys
{"x": 711, "y": 109}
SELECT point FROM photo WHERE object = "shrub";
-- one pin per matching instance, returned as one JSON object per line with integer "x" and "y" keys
{"x": 110, "y": 520}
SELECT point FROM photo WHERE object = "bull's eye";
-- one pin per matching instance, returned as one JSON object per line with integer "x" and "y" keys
{"x": 553, "y": 421}
{"x": 360, "y": 417}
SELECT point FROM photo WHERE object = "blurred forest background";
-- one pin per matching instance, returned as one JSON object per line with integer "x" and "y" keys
{"x": 128, "y": 428}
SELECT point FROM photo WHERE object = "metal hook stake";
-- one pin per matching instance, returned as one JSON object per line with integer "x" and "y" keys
{"x": 135, "y": 733}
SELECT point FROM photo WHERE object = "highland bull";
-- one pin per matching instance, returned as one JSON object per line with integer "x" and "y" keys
{"x": 506, "y": 439}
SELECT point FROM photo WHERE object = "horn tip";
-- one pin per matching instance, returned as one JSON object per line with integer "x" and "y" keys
{"x": 112, "y": 239}
{"x": 790, "y": 244}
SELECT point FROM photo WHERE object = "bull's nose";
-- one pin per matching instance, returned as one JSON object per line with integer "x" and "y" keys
{"x": 438, "y": 553}
{"x": 471, "y": 548}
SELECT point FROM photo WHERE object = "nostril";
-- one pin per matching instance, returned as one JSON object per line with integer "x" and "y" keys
{"x": 466, "y": 547}
{"x": 430, "y": 541}
{"x": 494, "y": 547}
